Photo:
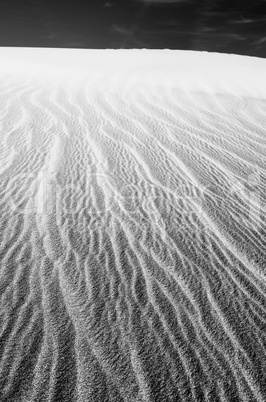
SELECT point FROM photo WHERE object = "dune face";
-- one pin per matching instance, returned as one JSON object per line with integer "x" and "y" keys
{"x": 132, "y": 229}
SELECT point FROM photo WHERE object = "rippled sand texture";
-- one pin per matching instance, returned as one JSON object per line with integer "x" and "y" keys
{"x": 132, "y": 242}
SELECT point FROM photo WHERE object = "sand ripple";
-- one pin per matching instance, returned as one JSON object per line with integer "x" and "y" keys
{"x": 132, "y": 244}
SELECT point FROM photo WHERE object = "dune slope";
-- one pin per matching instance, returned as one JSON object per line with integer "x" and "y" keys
{"x": 132, "y": 227}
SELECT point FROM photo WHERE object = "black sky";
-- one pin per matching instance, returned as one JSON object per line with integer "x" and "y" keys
{"x": 228, "y": 26}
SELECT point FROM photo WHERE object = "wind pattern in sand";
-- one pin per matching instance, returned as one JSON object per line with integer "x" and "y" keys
{"x": 132, "y": 242}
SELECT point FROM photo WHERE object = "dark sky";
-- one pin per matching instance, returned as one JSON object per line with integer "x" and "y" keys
{"x": 228, "y": 26}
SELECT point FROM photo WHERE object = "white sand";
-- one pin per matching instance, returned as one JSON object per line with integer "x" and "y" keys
{"x": 132, "y": 227}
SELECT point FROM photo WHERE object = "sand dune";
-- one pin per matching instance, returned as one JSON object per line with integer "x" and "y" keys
{"x": 133, "y": 226}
